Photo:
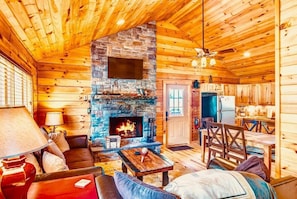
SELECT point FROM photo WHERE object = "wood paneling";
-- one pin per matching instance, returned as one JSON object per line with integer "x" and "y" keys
{"x": 12, "y": 48}
{"x": 53, "y": 28}
{"x": 286, "y": 84}
{"x": 64, "y": 84}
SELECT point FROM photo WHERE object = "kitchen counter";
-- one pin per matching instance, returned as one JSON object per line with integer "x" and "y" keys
{"x": 259, "y": 118}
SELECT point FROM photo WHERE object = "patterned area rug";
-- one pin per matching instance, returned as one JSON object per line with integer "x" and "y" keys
{"x": 180, "y": 148}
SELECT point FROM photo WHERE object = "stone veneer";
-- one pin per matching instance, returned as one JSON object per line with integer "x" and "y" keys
{"x": 138, "y": 43}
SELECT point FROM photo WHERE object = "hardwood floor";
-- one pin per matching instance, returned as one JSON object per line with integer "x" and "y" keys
{"x": 185, "y": 161}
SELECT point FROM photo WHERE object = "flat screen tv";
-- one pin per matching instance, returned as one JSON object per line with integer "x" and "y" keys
{"x": 122, "y": 68}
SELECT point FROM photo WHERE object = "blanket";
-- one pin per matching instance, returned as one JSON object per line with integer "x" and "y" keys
{"x": 214, "y": 183}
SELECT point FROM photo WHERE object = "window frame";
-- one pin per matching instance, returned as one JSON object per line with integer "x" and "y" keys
{"x": 16, "y": 85}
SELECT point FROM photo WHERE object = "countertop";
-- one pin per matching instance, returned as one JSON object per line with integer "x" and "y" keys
{"x": 260, "y": 118}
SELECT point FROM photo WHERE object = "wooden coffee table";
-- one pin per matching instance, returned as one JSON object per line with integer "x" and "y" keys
{"x": 153, "y": 163}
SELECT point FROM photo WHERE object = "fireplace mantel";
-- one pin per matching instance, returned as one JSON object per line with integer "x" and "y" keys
{"x": 122, "y": 97}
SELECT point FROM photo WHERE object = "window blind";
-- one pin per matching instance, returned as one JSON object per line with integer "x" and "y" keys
{"x": 16, "y": 87}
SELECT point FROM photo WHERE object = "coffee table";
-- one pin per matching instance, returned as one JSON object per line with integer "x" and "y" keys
{"x": 153, "y": 163}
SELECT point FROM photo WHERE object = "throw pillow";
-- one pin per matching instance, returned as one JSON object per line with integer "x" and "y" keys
{"x": 52, "y": 163}
{"x": 54, "y": 149}
{"x": 211, "y": 183}
{"x": 256, "y": 166}
{"x": 30, "y": 158}
{"x": 131, "y": 187}
{"x": 60, "y": 140}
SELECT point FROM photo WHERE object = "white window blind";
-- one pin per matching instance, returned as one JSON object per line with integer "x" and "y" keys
{"x": 15, "y": 85}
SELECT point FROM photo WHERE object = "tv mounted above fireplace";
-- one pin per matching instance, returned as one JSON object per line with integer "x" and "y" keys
{"x": 122, "y": 68}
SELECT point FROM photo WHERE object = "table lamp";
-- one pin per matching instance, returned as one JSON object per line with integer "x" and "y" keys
{"x": 54, "y": 119}
{"x": 19, "y": 135}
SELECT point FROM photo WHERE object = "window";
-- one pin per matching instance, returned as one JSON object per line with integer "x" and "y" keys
{"x": 15, "y": 85}
{"x": 176, "y": 102}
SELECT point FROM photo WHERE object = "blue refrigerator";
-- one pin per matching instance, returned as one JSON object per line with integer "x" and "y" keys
{"x": 221, "y": 108}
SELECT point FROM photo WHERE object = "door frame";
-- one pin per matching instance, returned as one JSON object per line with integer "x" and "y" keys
{"x": 187, "y": 83}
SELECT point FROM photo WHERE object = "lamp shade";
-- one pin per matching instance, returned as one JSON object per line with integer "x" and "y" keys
{"x": 54, "y": 119}
{"x": 19, "y": 133}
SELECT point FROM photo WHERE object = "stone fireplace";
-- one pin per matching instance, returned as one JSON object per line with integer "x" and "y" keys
{"x": 126, "y": 127}
{"x": 121, "y": 98}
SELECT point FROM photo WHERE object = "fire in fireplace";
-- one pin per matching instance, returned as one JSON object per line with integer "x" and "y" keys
{"x": 126, "y": 127}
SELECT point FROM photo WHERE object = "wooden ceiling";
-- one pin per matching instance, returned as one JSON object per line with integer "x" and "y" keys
{"x": 52, "y": 27}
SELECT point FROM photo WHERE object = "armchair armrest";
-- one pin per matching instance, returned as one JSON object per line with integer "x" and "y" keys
{"x": 285, "y": 187}
{"x": 106, "y": 187}
{"x": 73, "y": 172}
{"x": 77, "y": 141}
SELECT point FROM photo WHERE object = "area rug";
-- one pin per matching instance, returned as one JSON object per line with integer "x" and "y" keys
{"x": 180, "y": 148}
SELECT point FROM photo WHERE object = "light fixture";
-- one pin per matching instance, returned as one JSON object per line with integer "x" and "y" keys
{"x": 54, "y": 119}
{"x": 19, "y": 135}
{"x": 203, "y": 53}
{"x": 246, "y": 54}
{"x": 120, "y": 22}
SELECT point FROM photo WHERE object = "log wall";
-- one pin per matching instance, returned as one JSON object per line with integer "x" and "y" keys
{"x": 11, "y": 47}
{"x": 64, "y": 85}
{"x": 174, "y": 63}
{"x": 286, "y": 83}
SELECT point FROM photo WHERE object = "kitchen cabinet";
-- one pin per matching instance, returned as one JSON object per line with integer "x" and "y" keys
{"x": 212, "y": 87}
{"x": 230, "y": 89}
{"x": 246, "y": 94}
{"x": 267, "y": 94}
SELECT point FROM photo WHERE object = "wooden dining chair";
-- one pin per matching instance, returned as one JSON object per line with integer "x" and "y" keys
{"x": 267, "y": 127}
{"x": 203, "y": 122}
{"x": 235, "y": 149}
{"x": 216, "y": 140}
{"x": 250, "y": 125}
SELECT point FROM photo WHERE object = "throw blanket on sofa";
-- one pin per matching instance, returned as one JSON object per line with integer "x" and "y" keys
{"x": 213, "y": 183}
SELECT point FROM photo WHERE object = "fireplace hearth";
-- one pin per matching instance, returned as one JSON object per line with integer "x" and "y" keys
{"x": 126, "y": 127}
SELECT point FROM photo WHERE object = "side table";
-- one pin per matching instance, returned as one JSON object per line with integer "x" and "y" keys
{"x": 95, "y": 152}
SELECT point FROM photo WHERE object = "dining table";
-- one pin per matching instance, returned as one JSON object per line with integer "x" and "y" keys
{"x": 254, "y": 139}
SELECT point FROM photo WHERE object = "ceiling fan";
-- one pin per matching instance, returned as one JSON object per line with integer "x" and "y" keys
{"x": 204, "y": 53}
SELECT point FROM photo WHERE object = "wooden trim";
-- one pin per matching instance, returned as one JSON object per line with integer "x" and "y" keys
{"x": 277, "y": 91}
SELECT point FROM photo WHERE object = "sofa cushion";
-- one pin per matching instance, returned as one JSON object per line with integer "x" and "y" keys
{"x": 79, "y": 158}
{"x": 53, "y": 163}
{"x": 54, "y": 149}
{"x": 59, "y": 139}
{"x": 131, "y": 187}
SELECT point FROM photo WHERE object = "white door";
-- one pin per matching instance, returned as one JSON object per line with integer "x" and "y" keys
{"x": 178, "y": 120}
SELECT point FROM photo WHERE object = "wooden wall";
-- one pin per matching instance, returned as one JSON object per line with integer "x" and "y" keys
{"x": 174, "y": 56}
{"x": 12, "y": 48}
{"x": 64, "y": 84}
{"x": 286, "y": 87}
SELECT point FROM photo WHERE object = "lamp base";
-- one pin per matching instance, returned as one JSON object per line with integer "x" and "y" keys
{"x": 16, "y": 181}
{"x": 9, "y": 163}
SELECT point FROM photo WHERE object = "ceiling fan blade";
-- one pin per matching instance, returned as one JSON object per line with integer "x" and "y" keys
{"x": 228, "y": 50}
{"x": 198, "y": 50}
{"x": 219, "y": 57}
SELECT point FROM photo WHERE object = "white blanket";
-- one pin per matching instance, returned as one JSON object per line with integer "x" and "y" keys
{"x": 212, "y": 184}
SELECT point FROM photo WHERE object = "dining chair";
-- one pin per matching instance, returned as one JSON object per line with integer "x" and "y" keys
{"x": 216, "y": 140}
{"x": 235, "y": 143}
{"x": 203, "y": 122}
{"x": 267, "y": 127}
{"x": 250, "y": 124}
